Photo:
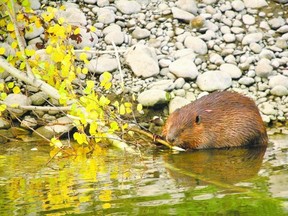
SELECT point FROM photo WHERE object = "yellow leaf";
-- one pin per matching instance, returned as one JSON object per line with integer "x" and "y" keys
{"x": 2, "y": 107}
{"x": 90, "y": 84}
{"x": 10, "y": 27}
{"x": 22, "y": 65}
{"x": 2, "y": 50}
{"x": 56, "y": 142}
{"x": 83, "y": 56}
{"x": 139, "y": 107}
{"x": 3, "y": 96}
{"x": 2, "y": 86}
{"x": 29, "y": 52}
{"x": 80, "y": 138}
{"x": 16, "y": 90}
{"x": 14, "y": 44}
{"x": 114, "y": 125}
{"x": 61, "y": 20}
{"x": 10, "y": 85}
{"x": 92, "y": 29}
{"x": 106, "y": 206}
{"x": 85, "y": 70}
{"x": 122, "y": 109}
{"x": 125, "y": 126}
{"x": 77, "y": 31}
{"x": 62, "y": 7}
{"x": 86, "y": 48}
{"x": 1, "y": 70}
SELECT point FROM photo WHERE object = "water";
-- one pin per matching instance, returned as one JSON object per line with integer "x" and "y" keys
{"x": 210, "y": 182}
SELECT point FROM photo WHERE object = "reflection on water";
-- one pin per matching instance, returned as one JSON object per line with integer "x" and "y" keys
{"x": 224, "y": 165}
{"x": 115, "y": 183}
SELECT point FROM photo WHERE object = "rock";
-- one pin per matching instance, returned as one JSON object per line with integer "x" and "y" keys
{"x": 115, "y": 36}
{"x": 28, "y": 122}
{"x": 267, "y": 108}
{"x": 111, "y": 28}
{"x": 279, "y": 90}
{"x": 38, "y": 98}
{"x": 57, "y": 128}
{"x": 153, "y": 97}
{"x": 33, "y": 31}
{"x": 8, "y": 49}
{"x": 177, "y": 103}
{"x": 179, "y": 83}
{"x": 102, "y": 3}
{"x": 17, "y": 99}
{"x": 184, "y": 67}
{"x": 128, "y": 7}
{"x": 73, "y": 16}
{"x": 214, "y": 80}
{"x": 102, "y": 64}
{"x": 278, "y": 80}
{"x": 166, "y": 85}
{"x": 182, "y": 14}
{"x": 275, "y": 23}
{"x": 238, "y": 5}
{"x": 196, "y": 44}
{"x": 89, "y": 39}
{"x": 35, "y": 4}
{"x": 248, "y": 19}
{"x": 232, "y": 70}
{"x": 229, "y": 38}
{"x": 255, "y": 47}
{"x": 187, "y": 5}
{"x": 252, "y": 38}
{"x": 90, "y": 1}
{"x": 139, "y": 33}
{"x": 189, "y": 53}
{"x": 4, "y": 123}
{"x": 255, "y": 4}
{"x": 247, "y": 81}
{"x": 142, "y": 60}
{"x": 263, "y": 68}
{"x": 281, "y": 1}
{"x": 105, "y": 16}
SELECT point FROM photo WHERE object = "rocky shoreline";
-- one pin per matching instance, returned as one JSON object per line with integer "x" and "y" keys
{"x": 178, "y": 51}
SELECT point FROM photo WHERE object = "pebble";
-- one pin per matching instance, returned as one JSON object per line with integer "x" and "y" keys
{"x": 263, "y": 68}
{"x": 279, "y": 90}
{"x": 252, "y": 38}
{"x": 152, "y": 97}
{"x": 187, "y": 5}
{"x": 128, "y": 7}
{"x": 196, "y": 44}
{"x": 238, "y": 5}
{"x": 181, "y": 14}
{"x": 248, "y": 19}
{"x": 38, "y": 98}
{"x": 166, "y": 85}
{"x": 102, "y": 64}
{"x": 72, "y": 15}
{"x": 184, "y": 67}
{"x": 278, "y": 80}
{"x": 247, "y": 81}
{"x": 33, "y": 31}
{"x": 255, "y": 4}
{"x": 176, "y": 103}
{"x": 142, "y": 60}
{"x": 17, "y": 99}
{"x": 139, "y": 33}
{"x": 232, "y": 70}
{"x": 214, "y": 80}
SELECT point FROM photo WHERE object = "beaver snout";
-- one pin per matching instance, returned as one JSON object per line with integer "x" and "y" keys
{"x": 171, "y": 138}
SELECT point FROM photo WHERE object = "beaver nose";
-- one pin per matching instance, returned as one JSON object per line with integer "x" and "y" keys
{"x": 170, "y": 138}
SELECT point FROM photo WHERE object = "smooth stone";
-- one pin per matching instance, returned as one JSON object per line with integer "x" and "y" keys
{"x": 4, "y": 123}
{"x": 252, "y": 38}
{"x": 179, "y": 83}
{"x": 89, "y": 39}
{"x": 283, "y": 29}
{"x": 229, "y": 38}
{"x": 184, "y": 67}
{"x": 29, "y": 122}
{"x": 35, "y": 4}
{"x": 105, "y": 16}
{"x": 215, "y": 58}
{"x": 255, "y": 3}
{"x": 17, "y": 99}
{"x": 102, "y": 64}
{"x": 238, "y": 5}
{"x": 182, "y": 14}
{"x": 102, "y": 3}
{"x": 56, "y": 128}
{"x": 255, "y": 47}
{"x": 196, "y": 44}
{"x": 231, "y": 69}
{"x": 33, "y": 31}
{"x": 278, "y": 80}
{"x": 166, "y": 85}
{"x": 128, "y": 7}
{"x": 267, "y": 108}
{"x": 263, "y": 68}
{"x": 248, "y": 19}
{"x": 214, "y": 80}
{"x": 73, "y": 16}
{"x": 176, "y": 103}
{"x": 142, "y": 60}
{"x": 275, "y": 23}
{"x": 139, "y": 33}
{"x": 279, "y": 90}
{"x": 90, "y": 1}
{"x": 153, "y": 97}
{"x": 187, "y": 5}
{"x": 38, "y": 98}
{"x": 117, "y": 37}
{"x": 247, "y": 81}
{"x": 189, "y": 53}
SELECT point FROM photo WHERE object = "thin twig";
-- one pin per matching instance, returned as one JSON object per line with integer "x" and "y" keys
{"x": 119, "y": 64}
{"x": 36, "y": 108}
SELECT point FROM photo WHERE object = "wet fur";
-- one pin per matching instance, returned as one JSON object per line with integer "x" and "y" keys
{"x": 225, "y": 119}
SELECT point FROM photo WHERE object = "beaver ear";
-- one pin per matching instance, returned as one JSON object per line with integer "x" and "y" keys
{"x": 198, "y": 119}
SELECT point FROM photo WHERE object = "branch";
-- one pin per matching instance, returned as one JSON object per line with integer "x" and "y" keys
{"x": 48, "y": 89}
{"x": 37, "y": 108}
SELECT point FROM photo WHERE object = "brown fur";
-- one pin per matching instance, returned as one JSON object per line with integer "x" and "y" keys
{"x": 220, "y": 119}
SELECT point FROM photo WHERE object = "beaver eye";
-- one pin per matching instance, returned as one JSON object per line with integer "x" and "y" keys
{"x": 198, "y": 119}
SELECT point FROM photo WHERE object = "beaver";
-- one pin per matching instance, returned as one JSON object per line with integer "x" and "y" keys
{"x": 218, "y": 120}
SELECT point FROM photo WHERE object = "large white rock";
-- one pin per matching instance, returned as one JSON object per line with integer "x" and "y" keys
{"x": 196, "y": 44}
{"x": 214, "y": 80}
{"x": 177, "y": 103}
{"x": 263, "y": 68}
{"x": 17, "y": 99}
{"x": 252, "y": 38}
{"x": 278, "y": 80}
{"x": 255, "y": 3}
{"x": 142, "y": 61}
{"x": 231, "y": 69}
{"x": 102, "y": 64}
{"x": 128, "y": 7}
{"x": 152, "y": 97}
{"x": 187, "y": 5}
{"x": 184, "y": 67}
